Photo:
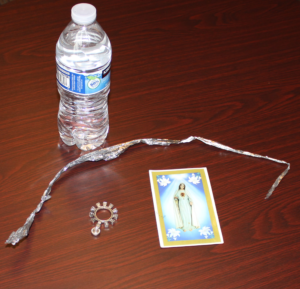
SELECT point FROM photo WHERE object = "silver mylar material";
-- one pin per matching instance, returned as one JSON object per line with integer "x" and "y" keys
{"x": 112, "y": 153}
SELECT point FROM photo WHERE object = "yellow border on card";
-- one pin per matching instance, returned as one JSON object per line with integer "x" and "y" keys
{"x": 211, "y": 209}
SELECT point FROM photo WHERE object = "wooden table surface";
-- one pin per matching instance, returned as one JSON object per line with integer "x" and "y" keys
{"x": 228, "y": 71}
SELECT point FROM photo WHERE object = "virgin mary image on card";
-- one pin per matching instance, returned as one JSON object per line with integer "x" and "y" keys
{"x": 184, "y": 207}
{"x": 184, "y": 210}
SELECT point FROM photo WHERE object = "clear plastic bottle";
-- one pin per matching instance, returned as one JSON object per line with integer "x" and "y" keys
{"x": 83, "y": 57}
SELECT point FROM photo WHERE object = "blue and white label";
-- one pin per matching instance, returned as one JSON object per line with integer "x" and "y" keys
{"x": 83, "y": 83}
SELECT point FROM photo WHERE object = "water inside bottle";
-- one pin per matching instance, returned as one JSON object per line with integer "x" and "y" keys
{"x": 83, "y": 119}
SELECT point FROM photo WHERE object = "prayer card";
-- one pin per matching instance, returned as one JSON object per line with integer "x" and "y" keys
{"x": 184, "y": 207}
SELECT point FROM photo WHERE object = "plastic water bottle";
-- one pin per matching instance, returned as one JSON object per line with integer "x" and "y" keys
{"x": 83, "y": 57}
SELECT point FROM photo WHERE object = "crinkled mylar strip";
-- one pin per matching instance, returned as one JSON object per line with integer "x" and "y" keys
{"x": 112, "y": 153}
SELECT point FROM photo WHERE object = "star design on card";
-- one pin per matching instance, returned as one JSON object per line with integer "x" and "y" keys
{"x": 173, "y": 233}
{"x": 206, "y": 231}
{"x": 194, "y": 179}
{"x": 163, "y": 181}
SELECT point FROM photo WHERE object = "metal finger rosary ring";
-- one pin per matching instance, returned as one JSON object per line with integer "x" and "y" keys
{"x": 93, "y": 214}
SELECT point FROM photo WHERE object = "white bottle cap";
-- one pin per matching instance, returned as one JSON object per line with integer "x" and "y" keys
{"x": 83, "y": 13}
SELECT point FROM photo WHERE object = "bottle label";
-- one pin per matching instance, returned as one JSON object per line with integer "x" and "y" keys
{"x": 83, "y": 83}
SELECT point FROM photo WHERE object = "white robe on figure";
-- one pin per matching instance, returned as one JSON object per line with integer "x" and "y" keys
{"x": 185, "y": 213}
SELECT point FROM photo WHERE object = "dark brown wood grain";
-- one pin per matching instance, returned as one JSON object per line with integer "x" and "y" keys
{"x": 224, "y": 70}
